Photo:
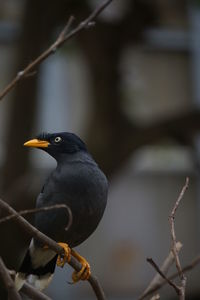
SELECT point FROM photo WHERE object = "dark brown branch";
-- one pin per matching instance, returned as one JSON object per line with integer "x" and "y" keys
{"x": 173, "y": 237}
{"x": 32, "y": 293}
{"x": 176, "y": 288}
{"x": 8, "y": 282}
{"x": 62, "y": 38}
{"x": 36, "y": 210}
{"x": 45, "y": 240}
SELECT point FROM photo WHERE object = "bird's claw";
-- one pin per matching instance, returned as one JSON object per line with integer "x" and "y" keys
{"x": 84, "y": 272}
{"x": 61, "y": 260}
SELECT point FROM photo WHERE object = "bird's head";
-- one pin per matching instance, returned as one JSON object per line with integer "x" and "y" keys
{"x": 57, "y": 144}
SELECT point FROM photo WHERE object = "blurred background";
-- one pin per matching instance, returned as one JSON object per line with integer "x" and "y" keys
{"x": 130, "y": 87}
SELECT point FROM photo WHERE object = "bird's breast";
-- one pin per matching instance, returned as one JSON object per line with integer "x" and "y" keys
{"x": 84, "y": 191}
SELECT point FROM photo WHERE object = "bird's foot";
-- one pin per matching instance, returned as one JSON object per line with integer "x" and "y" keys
{"x": 61, "y": 260}
{"x": 84, "y": 272}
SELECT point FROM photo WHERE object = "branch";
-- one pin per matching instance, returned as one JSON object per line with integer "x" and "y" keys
{"x": 188, "y": 267}
{"x": 158, "y": 280}
{"x": 158, "y": 285}
{"x": 36, "y": 210}
{"x": 173, "y": 236}
{"x": 32, "y": 293}
{"x": 62, "y": 38}
{"x": 8, "y": 282}
{"x": 45, "y": 240}
{"x": 28, "y": 289}
{"x": 176, "y": 288}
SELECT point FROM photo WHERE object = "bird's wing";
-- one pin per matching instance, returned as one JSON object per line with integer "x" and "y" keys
{"x": 52, "y": 222}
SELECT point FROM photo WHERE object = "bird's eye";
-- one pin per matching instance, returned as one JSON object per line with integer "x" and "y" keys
{"x": 57, "y": 139}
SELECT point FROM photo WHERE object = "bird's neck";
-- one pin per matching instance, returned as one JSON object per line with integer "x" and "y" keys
{"x": 81, "y": 156}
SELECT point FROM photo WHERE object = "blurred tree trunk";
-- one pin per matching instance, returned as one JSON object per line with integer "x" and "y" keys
{"x": 103, "y": 49}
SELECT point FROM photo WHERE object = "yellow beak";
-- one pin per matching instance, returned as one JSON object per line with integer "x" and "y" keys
{"x": 37, "y": 143}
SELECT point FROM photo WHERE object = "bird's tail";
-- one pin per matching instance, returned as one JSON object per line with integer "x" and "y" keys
{"x": 37, "y": 267}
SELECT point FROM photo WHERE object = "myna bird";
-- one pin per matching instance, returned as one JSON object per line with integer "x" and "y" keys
{"x": 76, "y": 182}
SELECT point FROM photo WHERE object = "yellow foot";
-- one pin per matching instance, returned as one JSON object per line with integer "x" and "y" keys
{"x": 84, "y": 272}
{"x": 61, "y": 260}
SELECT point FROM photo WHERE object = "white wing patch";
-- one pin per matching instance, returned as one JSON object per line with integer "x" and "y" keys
{"x": 40, "y": 282}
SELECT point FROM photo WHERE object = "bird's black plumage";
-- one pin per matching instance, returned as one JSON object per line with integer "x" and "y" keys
{"x": 68, "y": 143}
{"x": 77, "y": 182}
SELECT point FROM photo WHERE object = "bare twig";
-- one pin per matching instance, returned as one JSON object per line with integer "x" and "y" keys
{"x": 36, "y": 210}
{"x": 45, "y": 240}
{"x": 189, "y": 267}
{"x": 62, "y": 38}
{"x": 8, "y": 282}
{"x": 155, "y": 287}
{"x": 150, "y": 260}
{"x": 65, "y": 30}
{"x": 158, "y": 280}
{"x": 173, "y": 237}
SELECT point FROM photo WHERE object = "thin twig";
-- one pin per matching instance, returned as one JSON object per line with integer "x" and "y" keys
{"x": 62, "y": 38}
{"x": 45, "y": 240}
{"x": 188, "y": 267}
{"x": 37, "y": 210}
{"x": 158, "y": 280}
{"x": 65, "y": 30}
{"x": 157, "y": 283}
{"x": 195, "y": 262}
{"x": 173, "y": 237}
{"x": 8, "y": 282}
{"x": 151, "y": 261}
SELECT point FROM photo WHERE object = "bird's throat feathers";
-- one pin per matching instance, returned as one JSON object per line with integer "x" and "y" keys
{"x": 81, "y": 157}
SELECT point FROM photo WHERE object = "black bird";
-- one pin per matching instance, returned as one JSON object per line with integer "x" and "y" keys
{"x": 76, "y": 182}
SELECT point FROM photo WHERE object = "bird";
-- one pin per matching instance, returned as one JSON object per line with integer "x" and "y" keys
{"x": 77, "y": 182}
